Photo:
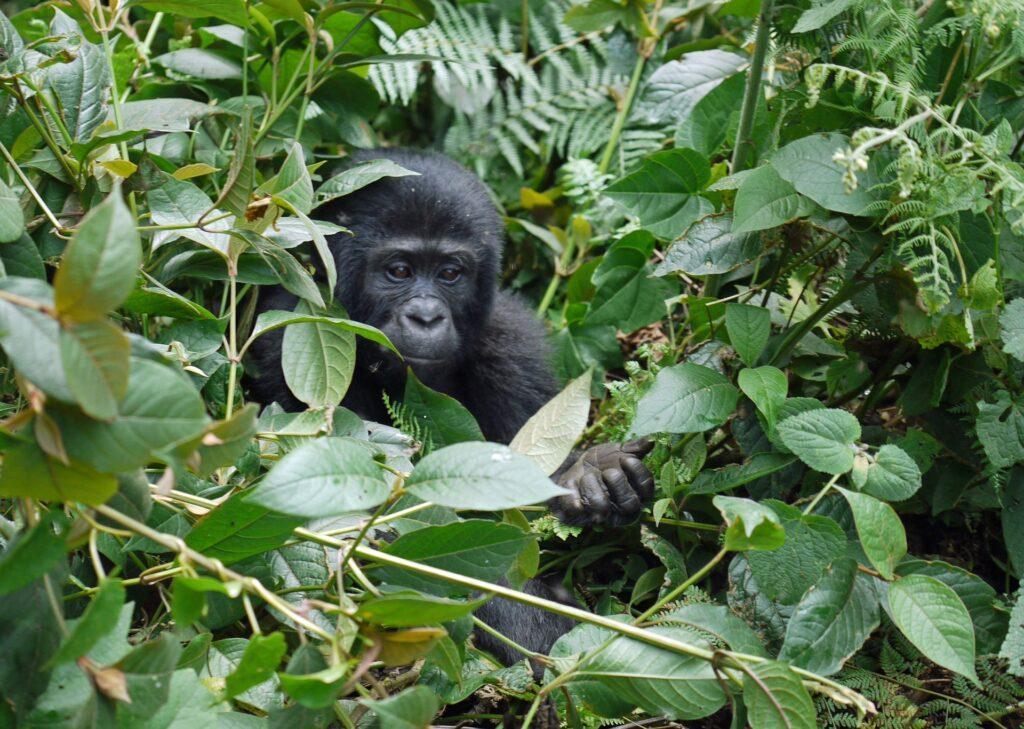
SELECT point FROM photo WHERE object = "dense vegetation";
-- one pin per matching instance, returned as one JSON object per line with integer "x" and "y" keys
{"x": 784, "y": 239}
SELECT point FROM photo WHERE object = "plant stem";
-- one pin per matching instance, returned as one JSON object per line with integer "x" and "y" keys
{"x": 560, "y": 267}
{"x": 821, "y": 494}
{"x": 683, "y": 587}
{"x": 32, "y": 190}
{"x": 232, "y": 344}
{"x": 620, "y": 119}
{"x": 744, "y": 139}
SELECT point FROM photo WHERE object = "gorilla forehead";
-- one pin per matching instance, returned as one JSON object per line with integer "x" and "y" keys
{"x": 445, "y": 203}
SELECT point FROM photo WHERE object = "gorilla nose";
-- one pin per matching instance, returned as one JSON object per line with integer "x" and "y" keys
{"x": 424, "y": 314}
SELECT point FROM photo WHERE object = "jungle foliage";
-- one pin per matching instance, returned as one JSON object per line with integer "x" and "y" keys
{"x": 783, "y": 239}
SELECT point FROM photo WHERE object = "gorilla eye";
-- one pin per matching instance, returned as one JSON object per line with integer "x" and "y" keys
{"x": 450, "y": 274}
{"x": 399, "y": 272}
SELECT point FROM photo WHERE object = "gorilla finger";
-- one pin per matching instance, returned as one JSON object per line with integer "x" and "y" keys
{"x": 570, "y": 505}
{"x": 639, "y": 447}
{"x": 595, "y": 497}
{"x": 623, "y": 497}
{"x": 640, "y": 477}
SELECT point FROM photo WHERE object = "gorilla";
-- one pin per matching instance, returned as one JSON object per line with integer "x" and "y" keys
{"x": 422, "y": 264}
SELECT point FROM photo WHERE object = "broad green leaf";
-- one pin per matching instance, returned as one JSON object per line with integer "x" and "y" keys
{"x": 318, "y": 360}
{"x": 182, "y": 203}
{"x": 483, "y": 476}
{"x": 933, "y": 618}
{"x": 808, "y": 165}
{"x": 237, "y": 191}
{"x": 476, "y": 548}
{"x": 443, "y": 419}
{"x": 824, "y": 439}
{"x": 731, "y": 477}
{"x": 411, "y": 709}
{"x": 775, "y": 698}
{"x": 685, "y": 398}
{"x": 880, "y": 530}
{"x": 764, "y": 200}
{"x": 259, "y": 662}
{"x": 629, "y": 673}
{"x": 749, "y": 525}
{"x": 99, "y": 618}
{"x": 223, "y": 442}
{"x": 96, "y": 357}
{"x": 358, "y": 177}
{"x": 160, "y": 410}
{"x": 291, "y": 274}
{"x": 892, "y": 475}
{"x": 324, "y": 477}
{"x": 30, "y": 555}
{"x": 12, "y": 221}
{"x": 662, "y": 191}
{"x": 292, "y": 187}
{"x": 749, "y": 328}
{"x": 766, "y": 387}
{"x": 821, "y": 14}
{"x": 21, "y": 258}
{"x": 30, "y": 338}
{"x": 1000, "y": 428}
{"x": 82, "y": 85}
{"x": 406, "y": 609}
{"x": 199, "y": 63}
{"x": 709, "y": 247}
{"x": 714, "y": 118}
{"x": 316, "y": 690}
{"x": 629, "y": 299}
{"x": 1013, "y": 517}
{"x": 674, "y": 89}
{"x": 99, "y": 266}
{"x": 1011, "y": 329}
{"x": 812, "y": 543}
{"x": 166, "y": 114}
{"x": 1013, "y": 646}
{"x": 719, "y": 621}
{"x": 268, "y": 321}
{"x": 238, "y": 529}
{"x": 161, "y": 301}
{"x": 233, "y": 11}
{"x": 28, "y": 471}
{"x": 832, "y": 620}
{"x": 549, "y": 435}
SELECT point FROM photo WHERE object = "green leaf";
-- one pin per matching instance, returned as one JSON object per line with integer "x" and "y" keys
{"x": 808, "y": 165}
{"x": 749, "y": 525}
{"x": 674, "y": 89}
{"x": 181, "y": 203}
{"x": 775, "y": 698}
{"x": 934, "y": 619}
{"x": 766, "y": 387}
{"x": 82, "y": 85}
{"x": 764, "y": 200}
{"x": 238, "y": 529}
{"x": 1011, "y": 329}
{"x": 318, "y": 360}
{"x": 550, "y": 433}
{"x": 821, "y": 14}
{"x": 237, "y": 191}
{"x": 358, "y": 177}
{"x": 734, "y": 476}
{"x": 1013, "y": 517}
{"x": 662, "y": 191}
{"x": 30, "y": 555}
{"x": 160, "y": 410}
{"x": 476, "y": 548}
{"x": 823, "y": 439}
{"x": 233, "y": 11}
{"x": 629, "y": 299}
{"x": 99, "y": 266}
{"x": 222, "y": 443}
{"x": 483, "y": 476}
{"x": 21, "y": 258}
{"x": 812, "y": 543}
{"x": 268, "y": 321}
{"x": 443, "y": 419}
{"x": 749, "y": 328}
{"x": 12, "y": 221}
{"x": 411, "y": 709}
{"x": 1013, "y": 646}
{"x": 892, "y": 475}
{"x": 714, "y": 118}
{"x": 96, "y": 357}
{"x": 832, "y": 620}
{"x": 710, "y": 247}
{"x": 28, "y": 471}
{"x": 99, "y": 618}
{"x": 259, "y": 662}
{"x": 316, "y": 690}
{"x": 324, "y": 477}
{"x": 199, "y": 63}
{"x": 406, "y": 609}
{"x": 292, "y": 187}
{"x": 685, "y": 398}
{"x": 880, "y": 530}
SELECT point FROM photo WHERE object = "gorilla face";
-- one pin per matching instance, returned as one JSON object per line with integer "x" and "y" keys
{"x": 420, "y": 294}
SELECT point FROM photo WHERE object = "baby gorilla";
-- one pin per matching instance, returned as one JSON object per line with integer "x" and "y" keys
{"x": 422, "y": 264}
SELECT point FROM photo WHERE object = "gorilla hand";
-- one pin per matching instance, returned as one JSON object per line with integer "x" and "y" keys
{"x": 609, "y": 485}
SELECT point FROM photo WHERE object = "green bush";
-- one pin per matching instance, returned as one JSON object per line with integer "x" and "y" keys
{"x": 784, "y": 240}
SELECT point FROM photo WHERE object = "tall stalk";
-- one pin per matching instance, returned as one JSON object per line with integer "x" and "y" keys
{"x": 744, "y": 140}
